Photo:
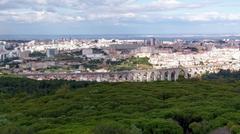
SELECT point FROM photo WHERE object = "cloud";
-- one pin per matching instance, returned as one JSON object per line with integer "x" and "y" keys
{"x": 36, "y": 16}
{"x": 211, "y": 16}
{"x": 58, "y": 11}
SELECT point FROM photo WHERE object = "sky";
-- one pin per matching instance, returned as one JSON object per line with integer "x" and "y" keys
{"x": 119, "y": 17}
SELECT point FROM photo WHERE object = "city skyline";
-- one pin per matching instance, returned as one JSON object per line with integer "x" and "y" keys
{"x": 119, "y": 17}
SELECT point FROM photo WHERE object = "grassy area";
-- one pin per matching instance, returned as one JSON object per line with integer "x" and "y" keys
{"x": 131, "y": 64}
{"x": 8, "y": 75}
{"x": 196, "y": 107}
{"x": 56, "y": 69}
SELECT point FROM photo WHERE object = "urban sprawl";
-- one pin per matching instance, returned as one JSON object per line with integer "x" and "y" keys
{"x": 116, "y": 60}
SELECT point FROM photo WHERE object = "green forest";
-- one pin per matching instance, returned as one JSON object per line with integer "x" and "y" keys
{"x": 68, "y": 107}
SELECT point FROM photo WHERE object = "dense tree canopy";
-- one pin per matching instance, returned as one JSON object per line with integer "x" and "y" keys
{"x": 62, "y": 107}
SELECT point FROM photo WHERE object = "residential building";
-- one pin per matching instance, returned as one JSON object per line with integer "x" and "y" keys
{"x": 52, "y": 52}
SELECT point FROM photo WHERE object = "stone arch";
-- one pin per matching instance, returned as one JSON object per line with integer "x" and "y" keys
{"x": 130, "y": 76}
{"x": 144, "y": 76}
{"x": 166, "y": 75}
{"x": 123, "y": 77}
{"x": 138, "y": 76}
{"x": 184, "y": 73}
{"x": 151, "y": 76}
{"x": 173, "y": 75}
{"x": 120, "y": 76}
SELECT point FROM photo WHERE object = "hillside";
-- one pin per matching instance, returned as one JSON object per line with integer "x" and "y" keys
{"x": 60, "y": 107}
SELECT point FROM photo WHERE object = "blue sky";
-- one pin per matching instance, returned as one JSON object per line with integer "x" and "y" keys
{"x": 119, "y": 16}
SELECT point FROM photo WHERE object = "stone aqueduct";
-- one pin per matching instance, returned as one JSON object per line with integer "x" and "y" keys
{"x": 130, "y": 76}
{"x": 146, "y": 75}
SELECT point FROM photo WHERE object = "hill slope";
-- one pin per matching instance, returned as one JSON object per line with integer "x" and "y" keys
{"x": 127, "y": 108}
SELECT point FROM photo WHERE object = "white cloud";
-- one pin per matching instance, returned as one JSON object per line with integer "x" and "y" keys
{"x": 211, "y": 16}
{"x": 165, "y": 4}
{"x": 55, "y": 11}
{"x": 2, "y": 2}
{"x": 36, "y": 16}
{"x": 43, "y": 2}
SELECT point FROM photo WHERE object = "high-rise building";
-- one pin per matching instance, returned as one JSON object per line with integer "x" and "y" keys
{"x": 3, "y": 53}
{"x": 150, "y": 42}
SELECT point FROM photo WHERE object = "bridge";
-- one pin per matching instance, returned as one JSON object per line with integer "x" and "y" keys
{"x": 123, "y": 76}
{"x": 127, "y": 76}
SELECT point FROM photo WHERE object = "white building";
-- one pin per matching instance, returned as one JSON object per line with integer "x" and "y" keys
{"x": 144, "y": 51}
{"x": 3, "y": 53}
{"x": 87, "y": 51}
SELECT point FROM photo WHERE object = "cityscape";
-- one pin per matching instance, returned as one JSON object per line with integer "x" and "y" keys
{"x": 116, "y": 60}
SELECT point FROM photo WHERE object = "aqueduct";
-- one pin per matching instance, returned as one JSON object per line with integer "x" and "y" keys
{"x": 171, "y": 74}
{"x": 131, "y": 76}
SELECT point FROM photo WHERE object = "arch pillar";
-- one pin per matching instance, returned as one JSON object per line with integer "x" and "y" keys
{"x": 162, "y": 76}
{"x": 169, "y": 75}
{"x": 176, "y": 75}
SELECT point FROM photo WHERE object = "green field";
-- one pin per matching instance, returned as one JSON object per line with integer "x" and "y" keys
{"x": 132, "y": 63}
{"x": 60, "y": 107}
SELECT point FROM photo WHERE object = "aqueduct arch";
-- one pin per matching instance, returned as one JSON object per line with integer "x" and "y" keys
{"x": 137, "y": 75}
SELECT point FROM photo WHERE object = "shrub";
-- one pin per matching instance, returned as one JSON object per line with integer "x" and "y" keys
{"x": 159, "y": 126}
{"x": 199, "y": 127}
{"x": 235, "y": 129}
{"x": 111, "y": 128}
{"x": 13, "y": 129}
